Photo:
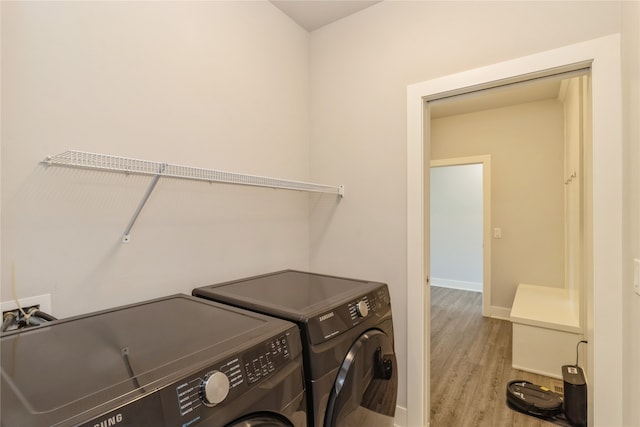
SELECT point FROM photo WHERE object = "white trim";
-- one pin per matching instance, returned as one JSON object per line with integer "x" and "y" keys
{"x": 603, "y": 280}
{"x": 537, "y": 371}
{"x": 500, "y": 313}
{"x": 456, "y": 284}
{"x": 400, "y": 419}
{"x": 418, "y": 408}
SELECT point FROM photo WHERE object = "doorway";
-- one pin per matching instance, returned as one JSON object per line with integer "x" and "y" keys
{"x": 525, "y": 135}
{"x": 468, "y": 215}
{"x": 603, "y": 199}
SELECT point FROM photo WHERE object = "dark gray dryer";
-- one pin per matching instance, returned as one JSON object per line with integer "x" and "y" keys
{"x": 346, "y": 324}
{"x": 177, "y": 361}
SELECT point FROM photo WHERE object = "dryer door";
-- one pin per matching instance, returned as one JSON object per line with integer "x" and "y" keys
{"x": 261, "y": 420}
{"x": 365, "y": 390}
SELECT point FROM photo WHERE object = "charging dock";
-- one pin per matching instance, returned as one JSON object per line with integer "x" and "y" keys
{"x": 575, "y": 395}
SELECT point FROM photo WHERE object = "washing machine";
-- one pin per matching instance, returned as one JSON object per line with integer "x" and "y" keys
{"x": 177, "y": 361}
{"x": 347, "y": 334}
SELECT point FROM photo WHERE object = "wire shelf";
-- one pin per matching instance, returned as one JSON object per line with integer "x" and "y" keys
{"x": 105, "y": 162}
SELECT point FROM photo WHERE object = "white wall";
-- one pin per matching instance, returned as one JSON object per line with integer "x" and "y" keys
{"x": 630, "y": 42}
{"x": 220, "y": 85}
{"x": 456, "y": 226}
{"x": 360, "y": 68}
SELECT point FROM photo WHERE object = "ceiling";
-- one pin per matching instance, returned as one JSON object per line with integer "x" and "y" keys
{"x": 313, "y": 14}
{"x": 502, "y": 96}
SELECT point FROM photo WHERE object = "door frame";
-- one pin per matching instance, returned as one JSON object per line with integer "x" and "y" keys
{"x": 485, "y": 161}
{"x": 602, "y": 275}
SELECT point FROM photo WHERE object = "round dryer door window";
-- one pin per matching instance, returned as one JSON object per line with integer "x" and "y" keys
{"x": 365, "y": 390}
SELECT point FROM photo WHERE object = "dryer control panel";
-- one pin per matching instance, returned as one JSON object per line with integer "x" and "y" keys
{"x": 344, "y": 317}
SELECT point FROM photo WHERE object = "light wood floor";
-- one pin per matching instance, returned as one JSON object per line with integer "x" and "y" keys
{"x": 471, "y": 365}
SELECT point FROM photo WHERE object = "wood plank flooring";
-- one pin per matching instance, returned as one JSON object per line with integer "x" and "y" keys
{"x": 471, "y": 365}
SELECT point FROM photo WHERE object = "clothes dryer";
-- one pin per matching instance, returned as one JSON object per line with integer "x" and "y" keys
{"x": 347, "y": 332}
{"x": 177, "y": 361}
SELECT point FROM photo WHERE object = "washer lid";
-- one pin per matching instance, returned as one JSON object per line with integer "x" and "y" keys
{"x": 74, "y": 365}
{"x": 289, "y": 294}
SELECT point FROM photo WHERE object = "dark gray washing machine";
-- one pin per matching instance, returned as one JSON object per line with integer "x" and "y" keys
{"x": 177, "y": 361}
{"x": 347, "y": 334}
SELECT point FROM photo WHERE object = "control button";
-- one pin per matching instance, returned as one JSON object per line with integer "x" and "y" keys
{"x": 362, "y": 308}
{"x": 215, "y": 388}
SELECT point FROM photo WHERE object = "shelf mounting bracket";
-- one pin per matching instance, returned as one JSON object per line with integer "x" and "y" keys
{"x": 126, "y": 235}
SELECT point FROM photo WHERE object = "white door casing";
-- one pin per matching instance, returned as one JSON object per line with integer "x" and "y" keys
{"x": 603, "y": 219}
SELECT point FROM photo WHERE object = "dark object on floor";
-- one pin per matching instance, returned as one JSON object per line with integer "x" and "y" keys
{"x": 533, "y": 399}
{"x": 575, "y": 395}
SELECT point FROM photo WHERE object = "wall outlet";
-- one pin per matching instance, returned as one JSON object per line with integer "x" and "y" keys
{"x": 44, "y": 301}
{"x": 636, "y": 276}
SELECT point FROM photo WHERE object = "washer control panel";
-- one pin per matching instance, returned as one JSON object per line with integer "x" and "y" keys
{"x": 224, "y": 381}
{"x": 210, "y": 387}
{"x": 214, "y": 388}
{"x": 265, "y": 359}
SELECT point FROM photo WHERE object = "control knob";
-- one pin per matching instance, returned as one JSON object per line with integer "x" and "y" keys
{"x": 215, "y": 388}
{"x": 362, "y": 308}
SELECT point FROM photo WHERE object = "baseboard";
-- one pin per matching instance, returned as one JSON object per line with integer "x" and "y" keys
{"x": 400, "y": 419}
{"x": 494, "y": 311}
{"x": 456, "y": 284}
{"x": 500, "y": 313}
{"x": 538, "y": 372}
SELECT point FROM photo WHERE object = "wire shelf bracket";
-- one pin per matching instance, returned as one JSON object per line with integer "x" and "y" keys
{"x": 105, "y": 162}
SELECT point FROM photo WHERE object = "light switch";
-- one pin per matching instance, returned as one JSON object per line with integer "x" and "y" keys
{"x": 497, "y": 233}
{"x": 636, "y": 276}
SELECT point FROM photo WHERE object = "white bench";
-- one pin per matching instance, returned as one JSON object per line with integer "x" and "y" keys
{"x": 546, "y": 329}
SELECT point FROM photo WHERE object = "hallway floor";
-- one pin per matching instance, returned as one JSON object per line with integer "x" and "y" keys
{"x": 471, "y": 365}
